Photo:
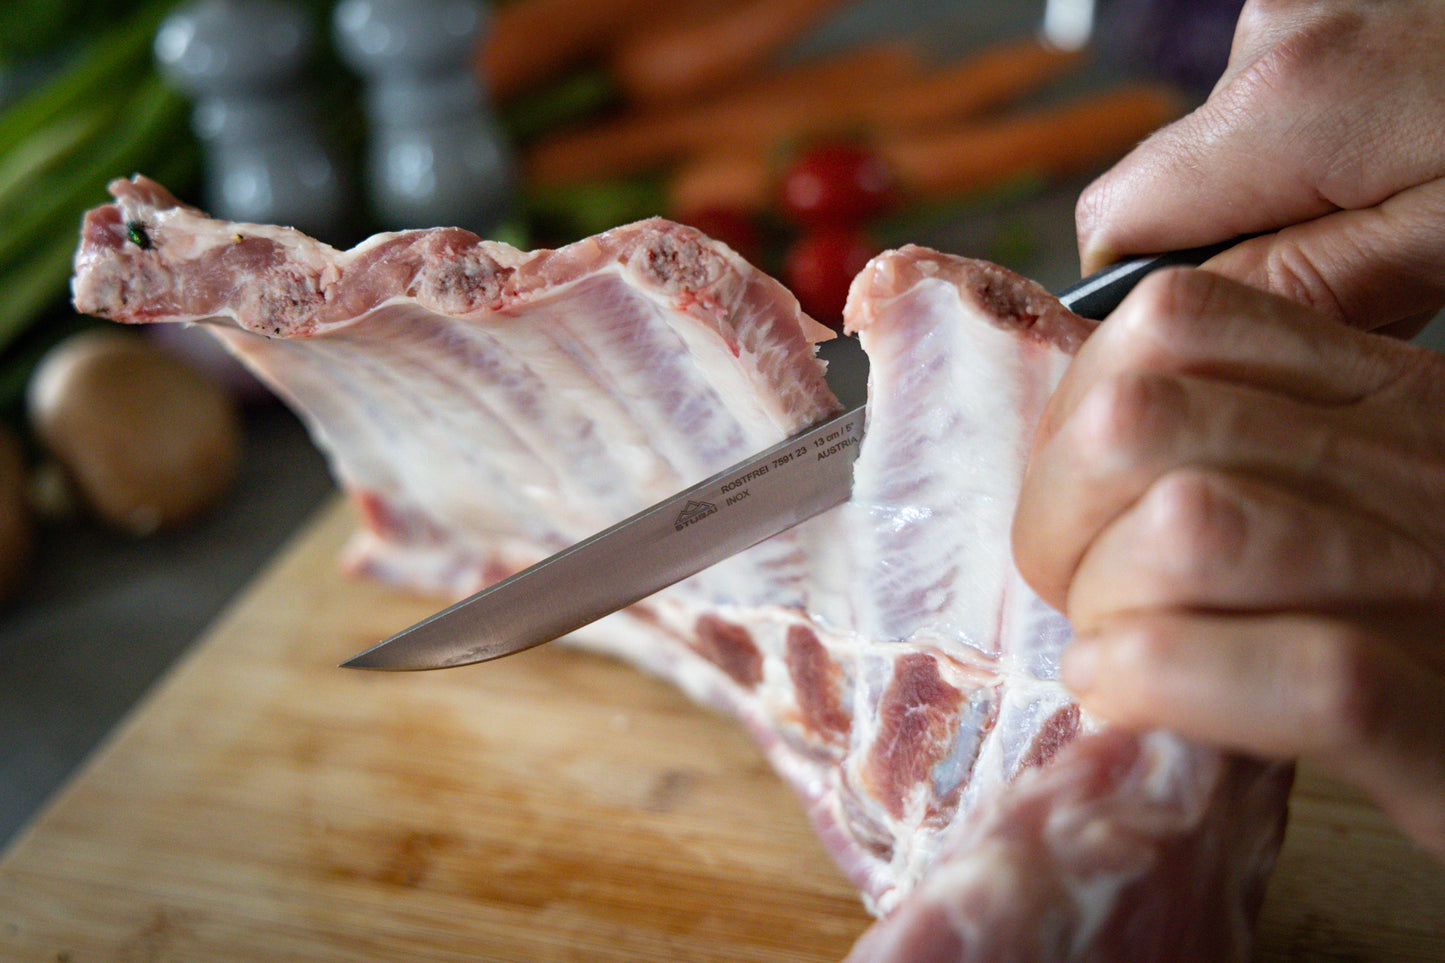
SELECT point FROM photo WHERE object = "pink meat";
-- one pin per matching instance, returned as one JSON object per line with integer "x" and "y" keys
{"x": 486, "y": 406}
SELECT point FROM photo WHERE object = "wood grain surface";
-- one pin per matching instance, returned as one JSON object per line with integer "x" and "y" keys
{"x": 263, "y": 805}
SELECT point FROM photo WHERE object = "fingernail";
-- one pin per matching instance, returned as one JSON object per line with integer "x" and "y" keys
{"x": 1096, "y": 255}
{"x": 1079, "y": 667}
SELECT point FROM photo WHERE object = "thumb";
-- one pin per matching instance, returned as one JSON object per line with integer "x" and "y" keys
{"x": 1326, "y": 107}
{"x": 1374, "y": 268}
{"x": 1194, "y": 182}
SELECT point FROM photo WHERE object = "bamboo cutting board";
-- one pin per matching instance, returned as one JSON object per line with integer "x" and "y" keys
{"x": 262, "y": 805}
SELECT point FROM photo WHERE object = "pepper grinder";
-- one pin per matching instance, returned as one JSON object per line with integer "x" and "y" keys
{"x": 436, "y": 154}
{"x": 242, "y": 61}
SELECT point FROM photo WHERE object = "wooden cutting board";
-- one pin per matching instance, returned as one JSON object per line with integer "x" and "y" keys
{"x": 262, "y": 805}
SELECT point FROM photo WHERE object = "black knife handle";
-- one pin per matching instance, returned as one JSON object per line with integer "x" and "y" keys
{"x": 1100, "y": 293}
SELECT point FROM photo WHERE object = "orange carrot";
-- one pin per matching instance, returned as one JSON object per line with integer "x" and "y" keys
{"x": 678, "y": 61}
{"x": 1086, "y": 133}
{"x": 988, "y": 79}
{"x": 759, "y": 113}
{"x": 873, "y": 88}
{"x": 734, "y": 180}
{"x": 1078, "y": 136}
{"x": 532, "y": 41}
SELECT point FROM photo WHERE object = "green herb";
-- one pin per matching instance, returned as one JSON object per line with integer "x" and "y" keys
{"x": 30, "y": 28}
{"x": 105, "y": 114}
{"x": 53, "y": 201}
{"x": 562, "y": 214}
{"x": 574, "y": 97}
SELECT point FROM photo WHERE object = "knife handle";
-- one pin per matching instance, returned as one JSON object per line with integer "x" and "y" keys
{"x": 1100, "y": 293}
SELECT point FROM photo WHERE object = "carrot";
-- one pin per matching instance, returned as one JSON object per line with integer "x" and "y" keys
{"x": 732, "y": 181}
{"x": 532, "y": 41}
{"x": 1086, "y": 133}
{"x": 759, "y": 113}
{"x": 872, "y": 88}
{"x": 678, "y": 61}
{"x": 988, "y": 79}
{"x": 930, "y": 164}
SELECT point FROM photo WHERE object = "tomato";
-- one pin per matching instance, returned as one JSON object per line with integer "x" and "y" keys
{"x": 820, "y": 266}
{"x": 733, "y": 227}
{"x": 836, "y": 182}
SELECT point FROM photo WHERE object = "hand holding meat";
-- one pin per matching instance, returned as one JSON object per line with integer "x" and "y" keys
{"x": 1326, "y": 130}
{"x": 1259, "y": 559}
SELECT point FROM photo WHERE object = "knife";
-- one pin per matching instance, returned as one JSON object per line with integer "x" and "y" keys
{"x": 680, "y": 536}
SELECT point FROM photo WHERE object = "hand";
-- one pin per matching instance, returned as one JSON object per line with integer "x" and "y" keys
{"x": 1240, "y": 506}
{"x": 1326, "y": 128}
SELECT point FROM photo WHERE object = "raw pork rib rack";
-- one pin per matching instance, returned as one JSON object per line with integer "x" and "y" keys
{"x": 486, "y": 406}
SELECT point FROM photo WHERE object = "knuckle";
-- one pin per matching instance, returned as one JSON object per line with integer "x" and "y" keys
{"x": 1293, "y": 45}
{"x": 1290, "y": 271}
{"x": 1128, "y": 416}
{"x": 1292, "y": 84}
{"x": 1163, "y": 317}
{"x": 1192, "y": 517}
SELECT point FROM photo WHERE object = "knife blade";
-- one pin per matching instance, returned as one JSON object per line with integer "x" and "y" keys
{"x": 765, "y": 494}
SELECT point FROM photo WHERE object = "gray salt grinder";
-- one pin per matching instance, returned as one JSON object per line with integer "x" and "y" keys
{"x": 436, "y": 155}
{"x": 241, "y": 62}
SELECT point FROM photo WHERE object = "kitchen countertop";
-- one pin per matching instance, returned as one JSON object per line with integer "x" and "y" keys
{"x": 558, "y": 806}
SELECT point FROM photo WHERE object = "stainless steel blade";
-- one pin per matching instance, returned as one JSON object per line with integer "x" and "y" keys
{"x": 713, "y": 520}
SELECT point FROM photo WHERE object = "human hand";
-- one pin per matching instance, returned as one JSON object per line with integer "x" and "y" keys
{"x": 1240, "y": 506}
{"x": 1326, "y": 129}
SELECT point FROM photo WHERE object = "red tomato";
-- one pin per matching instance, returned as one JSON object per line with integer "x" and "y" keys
{"x": 734, "y": 228}
{"x": 820, "y": 266}
{"x": 836, "y": 182}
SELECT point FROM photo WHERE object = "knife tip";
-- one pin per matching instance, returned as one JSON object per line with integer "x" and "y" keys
{"x": 402, "y": 653}
{"x": 375, "y": 658}
{"x": 358, "y": 662}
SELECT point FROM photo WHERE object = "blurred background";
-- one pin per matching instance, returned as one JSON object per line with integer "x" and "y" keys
{"x": 144, "y": 479}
